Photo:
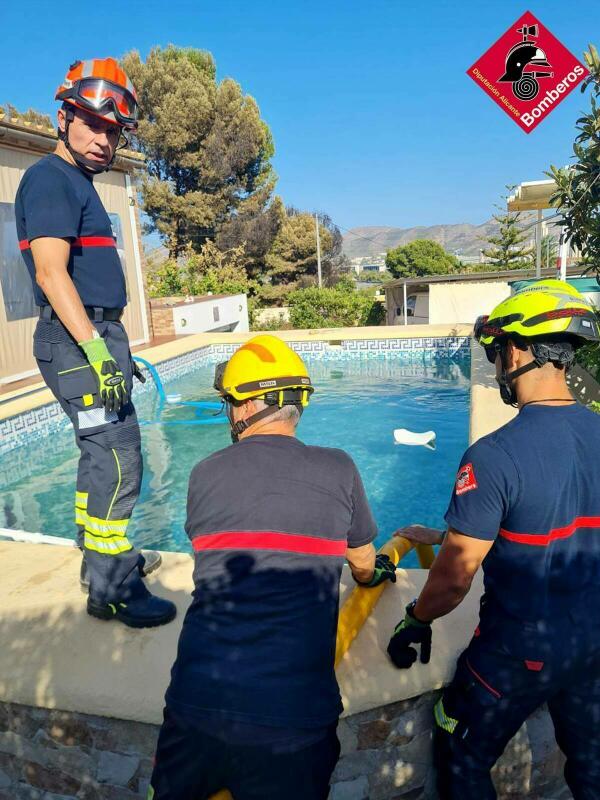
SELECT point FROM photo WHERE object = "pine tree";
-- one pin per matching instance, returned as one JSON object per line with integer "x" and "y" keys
{"x": 508, "y": 250}
{"x": 208, "y": 155}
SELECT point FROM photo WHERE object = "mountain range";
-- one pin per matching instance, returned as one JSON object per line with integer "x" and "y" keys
{"x": 463, "y": 239}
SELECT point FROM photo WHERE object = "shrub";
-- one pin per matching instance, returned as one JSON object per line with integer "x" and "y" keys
{"x": 211, "y": 270}
{"x": 333, "y": 308}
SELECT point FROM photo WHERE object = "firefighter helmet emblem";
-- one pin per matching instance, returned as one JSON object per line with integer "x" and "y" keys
{"x": 526, "y": 54}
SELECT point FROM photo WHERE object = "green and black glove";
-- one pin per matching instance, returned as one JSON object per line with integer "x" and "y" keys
{"x": 385, "y": 570}
{"x": 111, "y": 381}
{"x": 410, "y": 631}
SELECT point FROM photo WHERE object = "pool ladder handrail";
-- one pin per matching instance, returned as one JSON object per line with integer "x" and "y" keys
{"x": 361, "y": 603}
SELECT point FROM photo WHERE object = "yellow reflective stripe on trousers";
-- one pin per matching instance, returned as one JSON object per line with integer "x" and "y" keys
{"x": 443, "y": 721}
{"x": 81, "y": 499}
{"x": 109, "y": 547}
{"x": 105, "y": 527}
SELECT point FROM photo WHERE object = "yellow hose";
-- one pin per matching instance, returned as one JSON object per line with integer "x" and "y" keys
{"x": 357, "y": 608}
{"x": 362, "y": 600}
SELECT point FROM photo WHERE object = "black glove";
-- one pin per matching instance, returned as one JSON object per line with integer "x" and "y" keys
{"x": 385, "y": 570}
{"x": 137, "y": 372}
{"x": 410, "y": 631}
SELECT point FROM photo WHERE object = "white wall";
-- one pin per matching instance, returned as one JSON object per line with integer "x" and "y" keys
{"x": 220, "y": 313}
{"x": 464, "y": 302}
{"x": 266, "y": 315}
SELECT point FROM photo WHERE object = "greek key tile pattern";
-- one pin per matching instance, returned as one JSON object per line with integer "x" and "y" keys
{"x": 43, "y": 421}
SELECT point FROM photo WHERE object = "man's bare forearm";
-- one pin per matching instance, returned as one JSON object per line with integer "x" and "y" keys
{"x": 362, "y": 562}
{"x": 439, "y": 597}
{"x": 64, "y": 299}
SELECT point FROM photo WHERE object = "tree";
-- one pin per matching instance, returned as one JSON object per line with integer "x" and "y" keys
{"x": 578, "y": 186}
{"x": 293, "y": 254}
{"x": 549, "y": 251}
{"x": 420, "y": 257}
{"x": 507, "y": 250}
{"x": 578, "y": 193}
{"x": 208, "y": 154}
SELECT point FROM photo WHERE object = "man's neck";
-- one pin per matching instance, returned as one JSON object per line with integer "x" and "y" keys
{"x": 269, "y": 429}
{"x": 62, "y": 152}
{"x": 547, "y": 392}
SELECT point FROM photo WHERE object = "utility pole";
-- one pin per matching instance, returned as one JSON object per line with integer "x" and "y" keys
{"x": 320, "y": 277}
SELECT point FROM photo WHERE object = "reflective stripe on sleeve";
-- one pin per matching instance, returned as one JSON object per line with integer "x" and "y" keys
{"x": 81, "y": 241}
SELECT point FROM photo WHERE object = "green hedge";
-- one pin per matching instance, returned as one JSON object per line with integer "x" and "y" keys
{"x": 333, "y": 308}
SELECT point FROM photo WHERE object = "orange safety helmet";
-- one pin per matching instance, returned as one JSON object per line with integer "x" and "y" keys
{"x": 102, "y": 88}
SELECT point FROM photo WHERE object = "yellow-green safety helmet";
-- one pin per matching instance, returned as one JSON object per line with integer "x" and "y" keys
{"x": 548, "y": 308}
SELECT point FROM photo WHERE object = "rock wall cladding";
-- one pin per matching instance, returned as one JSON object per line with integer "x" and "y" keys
{"x": 386, "y": 755}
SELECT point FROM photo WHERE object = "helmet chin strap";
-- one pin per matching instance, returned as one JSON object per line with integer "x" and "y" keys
{"x": 505, "y": 381}
{"x": 91, "y": 167}
{"x": 237, "y": 428}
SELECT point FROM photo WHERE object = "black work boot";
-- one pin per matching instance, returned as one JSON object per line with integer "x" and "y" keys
{"x": 150, "y": 561}
{"x": 145, "y": 611}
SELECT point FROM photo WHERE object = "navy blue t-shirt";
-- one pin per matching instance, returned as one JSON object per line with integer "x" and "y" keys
{"x": 59, "y": 200}
{"x": 269, "y": 519}
{"x": 533, "y": 487}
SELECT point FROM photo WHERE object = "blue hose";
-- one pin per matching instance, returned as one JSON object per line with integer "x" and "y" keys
{"x": 199, "y": 405}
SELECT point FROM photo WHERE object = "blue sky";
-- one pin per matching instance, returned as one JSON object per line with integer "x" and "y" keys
{"x": 373, "y": 117}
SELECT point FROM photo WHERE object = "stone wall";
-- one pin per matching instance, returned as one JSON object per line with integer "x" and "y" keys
{"x": 162, "y": 320}
{"x": 386, "y": 755}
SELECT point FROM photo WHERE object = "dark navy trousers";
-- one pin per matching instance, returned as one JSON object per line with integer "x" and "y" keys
{"x": 193, "y": 765}
{"x": 508, "y": 671}
{"x": 110, "y": 464}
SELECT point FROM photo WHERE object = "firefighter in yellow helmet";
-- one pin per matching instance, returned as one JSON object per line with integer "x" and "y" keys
{"x": 263, "y": 368}
{"x": 527, "y": 500}
{"x": 253, "y": 702}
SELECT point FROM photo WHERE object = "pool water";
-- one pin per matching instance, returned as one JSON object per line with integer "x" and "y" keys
{"x": 357, "y": 405}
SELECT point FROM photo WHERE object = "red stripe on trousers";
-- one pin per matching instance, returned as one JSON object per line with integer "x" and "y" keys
{"x": 544, "y": 539}
{"x": 269, "y": 540}
{"x": 82, "y": 241}
{"x": 491, "y": 689}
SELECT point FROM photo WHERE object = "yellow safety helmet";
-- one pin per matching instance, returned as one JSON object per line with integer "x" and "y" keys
{"x": 265, "y": 367}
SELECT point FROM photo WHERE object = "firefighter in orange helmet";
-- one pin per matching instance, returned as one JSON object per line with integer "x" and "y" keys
{"x": 81, "y": 348}
{"x": 101, "y": 88}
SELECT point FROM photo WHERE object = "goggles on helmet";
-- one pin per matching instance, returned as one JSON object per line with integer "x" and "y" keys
{"x": 101, "y": 96}
{"x": 219, "y": 372}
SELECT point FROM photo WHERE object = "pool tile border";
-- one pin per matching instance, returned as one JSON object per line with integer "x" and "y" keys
{"x": 41, "y": 422}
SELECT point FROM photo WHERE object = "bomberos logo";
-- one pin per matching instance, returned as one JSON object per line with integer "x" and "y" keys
{"x": 528, "y": 72}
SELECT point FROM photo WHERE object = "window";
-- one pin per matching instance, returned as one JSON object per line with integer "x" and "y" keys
{"x": 17, "y": 290}
{"x": 117, "y": 232}
{"x": 216, "y": 313}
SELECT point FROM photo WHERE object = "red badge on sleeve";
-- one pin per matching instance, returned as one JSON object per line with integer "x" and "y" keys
{"x": 465, "y": 480}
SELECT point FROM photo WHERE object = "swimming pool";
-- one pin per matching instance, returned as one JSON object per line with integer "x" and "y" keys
{"x": 357, "y": 405}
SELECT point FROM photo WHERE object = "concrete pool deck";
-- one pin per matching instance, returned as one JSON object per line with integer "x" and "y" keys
{"x": 54, "y": 656}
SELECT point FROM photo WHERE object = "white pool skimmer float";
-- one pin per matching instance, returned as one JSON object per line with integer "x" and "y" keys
{"x": 412, "y": 439}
